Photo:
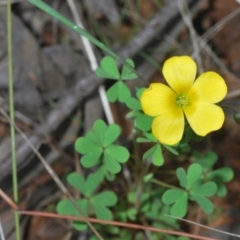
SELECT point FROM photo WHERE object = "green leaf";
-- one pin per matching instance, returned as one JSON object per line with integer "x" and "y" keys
{"x": 205, "y": 204}
{"x": 181, "y": 174}
{"x": 148, "y": 177}
{"x": 106, "y": 198}
{"x": 179, "y": 208}
{"x": 172, "y": 195}
{"x": 206, "y": 161}
{"x": 127, "y": 72}
{"x": 112, "y": 92}
{"x": 119, "y": 153}
{"x": 112, "y": 133}
{"x": 207, "y": 189}
{"x": 91, "y": 159}
{"x": 221, "y": 191}
{"x": 110, "y": 163}
{"x": 123, "y": 92}
{"x": 139, "y": 92}
{"x": 133, "y": 103}
{"x": 108, "y": 69}
{"x": 131, "y": 213}
{"x": 171, "y": 149}
{"x": 99, "y": 203}
{"x": 193, "y": 174}
{"x": 99, "y": 129}
{"x": 65, "y": 207}
{"x": 143, "y": 122}
{"x": 157, "y": 158}
{"x": 143, "y": 140}
{"x": 84, "y": 146}
{"x": 149, "y": 152}
{"x": 88, "y": 186}
{"x": 224, "y": 174}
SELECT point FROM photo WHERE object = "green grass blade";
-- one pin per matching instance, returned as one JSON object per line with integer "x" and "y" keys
{"x": 46, "y": 8}
{"x": 11, "y": 107}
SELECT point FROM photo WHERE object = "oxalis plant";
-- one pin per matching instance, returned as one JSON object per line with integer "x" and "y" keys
{"x": 134, "y": 184}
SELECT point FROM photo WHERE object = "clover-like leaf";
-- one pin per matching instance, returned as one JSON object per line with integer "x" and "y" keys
{"x": 133, "y": 103}
{"x": 207, "y": 189}
{"x": 206, "y": 161}
{"x": 65, "y": 207}
{"x": 99, "y": 129}
{"x": 193, "y": 174}
{"x": 85, "y": 146}
{"x": 100, "y": 203}
{"x": 143, "y": 122}
{"x": 112, "y": 92}
{"x": 108, "y": 69}
{"x": 205, "y": 204}
{"x": 86, "y": 186}
{"x": 224, "y": 174}
{"x": 128, "y": 71}
{"x": 157, "y": 157}
{"x": 119, "y": 91}
{"x": 111, "y": 134}
{"x": 91, "y": 159}
{"x": 179, "y": 199}
{"x": 179, "y": 208}
{"x": 181, "y": 174}
{"x": 113, "y": 155}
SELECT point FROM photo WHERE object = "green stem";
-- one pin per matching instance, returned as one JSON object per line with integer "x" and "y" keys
{"x": 163, "y": 184}
{"x": 11, "y": 107}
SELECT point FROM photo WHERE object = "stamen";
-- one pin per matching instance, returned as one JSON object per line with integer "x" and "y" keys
{"x": 182, "y": 101}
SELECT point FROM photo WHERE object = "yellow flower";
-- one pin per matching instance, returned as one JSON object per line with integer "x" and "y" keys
{"x": 185, "y": 97}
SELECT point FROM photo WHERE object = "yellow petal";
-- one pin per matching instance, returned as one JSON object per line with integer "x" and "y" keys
{"x": 180, "y": 73}
{"x": 209, "y": 87}
{"x": 204, "y": 117}
{"x": 157, "y": 99}
{"x": 168, "y": 128}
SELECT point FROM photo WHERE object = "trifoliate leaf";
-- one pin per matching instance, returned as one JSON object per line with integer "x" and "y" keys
{"x": 85, "y": 186}
{"x": 111, "y": 134}
{"x": 108, "y": 69}
{"x": 193, "y": 174}
{"x": 205, "y": 204}
{"x": 133, "y": 103}
{"x": 127, "y": 72}
{"x": 157, "y": 158}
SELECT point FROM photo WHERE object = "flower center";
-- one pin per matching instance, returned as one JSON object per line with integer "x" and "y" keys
{"x": 182, "y": 101}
